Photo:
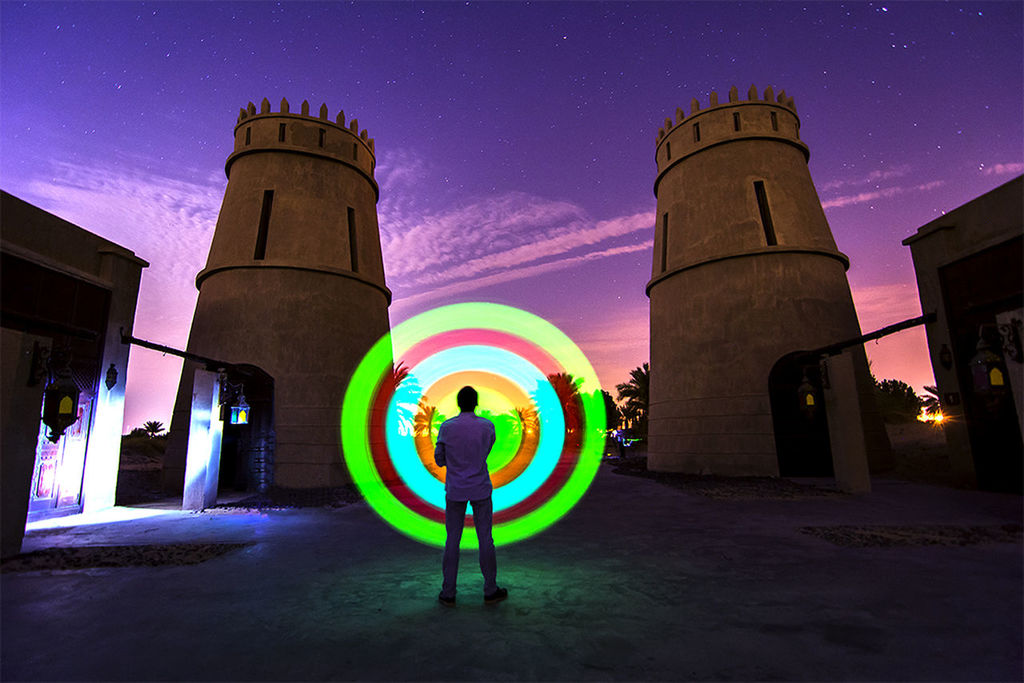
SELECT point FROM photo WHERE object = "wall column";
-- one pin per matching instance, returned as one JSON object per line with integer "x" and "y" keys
{"x": 202, "y": 463}
{"x": 845, "y": 425}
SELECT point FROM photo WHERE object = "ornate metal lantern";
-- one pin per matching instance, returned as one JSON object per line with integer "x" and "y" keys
{"x": 807, "y": 397}
{"x": 240, "y": 411}
{"x": 60, "y": 406}
{"x": 988, "y": 372}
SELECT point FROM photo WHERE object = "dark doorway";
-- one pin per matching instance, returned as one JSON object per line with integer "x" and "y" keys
{"x": 247, "y": 450}
{"x": 976, "y": 289}
{"x": 801, "y": 432}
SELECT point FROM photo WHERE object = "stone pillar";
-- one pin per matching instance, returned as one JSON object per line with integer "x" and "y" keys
{"x": 849, "y": 446}
{"x": 202, "y": 464}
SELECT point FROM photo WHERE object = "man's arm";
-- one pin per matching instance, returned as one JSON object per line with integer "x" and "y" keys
{"x": 490, "y": 436}
{"x": 439, "y": 452}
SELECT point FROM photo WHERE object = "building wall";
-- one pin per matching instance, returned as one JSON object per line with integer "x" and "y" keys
{"x": 984, "y": 226}
{"x": 66, "y": 262}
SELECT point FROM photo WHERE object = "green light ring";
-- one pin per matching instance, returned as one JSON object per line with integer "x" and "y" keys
{"x": 367, "y": 378}
{"x": 403, "y": 452}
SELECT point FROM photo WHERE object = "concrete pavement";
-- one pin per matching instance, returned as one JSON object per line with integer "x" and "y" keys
{"x": 641, "y": 581}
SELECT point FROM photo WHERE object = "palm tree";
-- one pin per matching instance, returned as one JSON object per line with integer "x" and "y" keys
{"x": 612, "y": 414}
{"x": 636, "y": 394}
{"x": 567, "y": 388}
{"x": 152, "y": 428}
{"x": 426, "y": 417}
{"x": 398, "y": 373}
{"x": 932, "y": 404}
{"x": 529, "y": 420}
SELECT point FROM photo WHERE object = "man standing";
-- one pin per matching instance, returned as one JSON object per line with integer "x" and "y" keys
{"x": 463, "y": 443}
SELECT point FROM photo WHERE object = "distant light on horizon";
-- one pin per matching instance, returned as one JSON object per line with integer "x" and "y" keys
{"x": 935, "y": 417}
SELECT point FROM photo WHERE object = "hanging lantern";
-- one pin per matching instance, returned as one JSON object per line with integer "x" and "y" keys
{"x": 111, "y": 378}
{"x": 807, "y": 397}
{"x": 240, "y": 411}
{"x": 987, "y": 370}
{"x": 60, "y": 406}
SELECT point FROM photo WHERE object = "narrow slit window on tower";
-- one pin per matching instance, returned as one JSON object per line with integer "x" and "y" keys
{"x": 322, "y": 134}
{"x": 736, "y": 121}
{"x": 261, "y": 234}
{"x": 355, "y": 152}
{"x": 668, "y": 150}
{"x": 664, "y": 242}
{"x": 248, "y": 135}
{"x": 766, "y": 214}
{"x": 280, "y": 132}
{"x": 696, "y": 132}
{"x": 775, "y": 121}
{"x": 352, "y": 253}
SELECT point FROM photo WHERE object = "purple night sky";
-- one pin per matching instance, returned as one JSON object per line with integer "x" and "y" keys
{"x": 515, "y": 142}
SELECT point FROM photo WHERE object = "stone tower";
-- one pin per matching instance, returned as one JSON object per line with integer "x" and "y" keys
{"x": 745, "y": 273}
{"x": 293, "y": 288}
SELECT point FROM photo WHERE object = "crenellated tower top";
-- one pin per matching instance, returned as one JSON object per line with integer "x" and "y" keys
{"x": 769, "y": 116}
{"x": 284, "y": 130}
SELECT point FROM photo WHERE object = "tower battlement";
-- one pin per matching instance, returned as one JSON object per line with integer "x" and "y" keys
{"x": 757, "y": 116}
{"x": 284, "y": 130}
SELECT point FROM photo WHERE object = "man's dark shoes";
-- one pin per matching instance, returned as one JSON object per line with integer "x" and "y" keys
{"x": 447, "y": 602}
{"x": 496, "y": 596}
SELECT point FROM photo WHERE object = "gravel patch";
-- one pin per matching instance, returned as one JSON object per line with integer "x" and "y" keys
{"x": 87, "y": 557}
{"x": 284, "y": 499}
{"x": 727, "y": 488}
{"x": 892, "y": 536}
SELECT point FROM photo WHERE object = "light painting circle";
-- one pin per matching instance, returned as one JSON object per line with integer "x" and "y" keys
{"x": 550, "y": 448}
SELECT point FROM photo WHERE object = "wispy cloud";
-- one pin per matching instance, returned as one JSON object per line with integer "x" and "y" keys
{"x": 488, "y": 240}
{"x": 1002, "y": 169}
{"x": 886, "y": 193}
{"x": 875, "y": 176}
{"x": 881, "y": 305}
{"x": 415, "y": 243}
{"x": 520, "y": 273}
{"x": 577, "y": 234}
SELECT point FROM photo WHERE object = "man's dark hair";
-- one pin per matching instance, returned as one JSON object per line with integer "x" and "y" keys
{"x": 466, "y": 399}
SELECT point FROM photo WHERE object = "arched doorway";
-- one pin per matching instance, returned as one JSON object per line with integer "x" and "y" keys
{"x": 247, "y": 450}
{"x": 801, "y": 431}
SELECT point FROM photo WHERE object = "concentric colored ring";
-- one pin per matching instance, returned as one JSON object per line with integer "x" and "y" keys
{"x": 385, "y": 459}
{"x": 403, "y": 449}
